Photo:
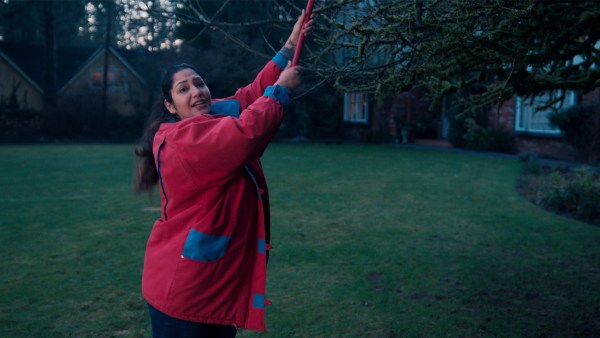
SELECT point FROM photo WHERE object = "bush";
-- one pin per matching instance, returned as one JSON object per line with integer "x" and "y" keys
{"x": 68, "y": 125}
{"x": 469, "y": 129}
{"x": 531, "y": 164}
{"x": 488, "y": 138}
{"x": 92, "y": 126}
{"x": 323, "y": 113}
{"x": 577, "y": 194}
{"x": 581, "y": 126}
{"x": 458, "y": 117}
{"x": 20, "y": 125}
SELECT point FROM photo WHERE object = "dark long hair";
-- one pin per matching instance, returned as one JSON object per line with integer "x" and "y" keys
{"x": 146, "y": 173}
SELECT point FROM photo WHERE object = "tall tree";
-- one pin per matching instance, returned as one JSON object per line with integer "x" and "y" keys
{"x": 231, "y": 39}
{"x": 23, "y": 21}
{"x": 487, "y": 50}
{"x": 45, "y": 23}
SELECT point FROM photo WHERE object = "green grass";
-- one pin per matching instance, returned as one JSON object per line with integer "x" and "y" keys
{"x": 369, "y": 241}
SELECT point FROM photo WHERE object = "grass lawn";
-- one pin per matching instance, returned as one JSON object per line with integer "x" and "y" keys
{"x": 369, "y": 241}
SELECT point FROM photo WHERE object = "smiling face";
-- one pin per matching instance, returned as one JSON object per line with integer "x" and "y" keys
{"x": 191, "y": 96}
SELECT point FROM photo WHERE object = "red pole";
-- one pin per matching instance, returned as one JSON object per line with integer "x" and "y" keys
{"x": 307, "y": 14}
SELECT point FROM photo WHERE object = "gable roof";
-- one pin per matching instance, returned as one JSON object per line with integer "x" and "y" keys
{"x": 97, "y": 54}
{"x": 20, "y": 71}
{"x": 28, "y": 59}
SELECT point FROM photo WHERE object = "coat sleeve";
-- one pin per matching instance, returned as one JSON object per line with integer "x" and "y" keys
{"x": 215, "y": 149}
{"x": 266, "y": 77}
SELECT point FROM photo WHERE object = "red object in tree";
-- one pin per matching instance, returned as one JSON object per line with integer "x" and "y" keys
{"x": 307, "y": 12}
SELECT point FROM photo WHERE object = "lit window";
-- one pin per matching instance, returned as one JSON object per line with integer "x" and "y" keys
{"x": 530, "y": 119}
{"x": 115, "y": 79}
{"x": 96, "y": 79}
{"x": 356, "y": 107}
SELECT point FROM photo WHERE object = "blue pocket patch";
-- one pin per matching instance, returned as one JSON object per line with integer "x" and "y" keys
{"x": 262, "y": 246}
{"x": 203, "y": 247}
{"x": 259, "y": 301}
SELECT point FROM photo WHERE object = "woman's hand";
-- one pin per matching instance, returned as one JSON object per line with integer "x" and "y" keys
{"x": 299, "y": 28}
{"x": 289, "y": 78}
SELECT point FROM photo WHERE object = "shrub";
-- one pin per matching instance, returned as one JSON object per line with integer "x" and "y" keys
{"x": 488, "y": 138}
{"x": 581, "y": 126}
{"x": 460, "y": 119}
{"x": 323, "y": 113}
{"x": 20, "y": 125}
{"x": 73, "y": 125}
{"x": 577, "y": 194}
{"x": 314, "y": 116}
{"x": 469, "y": 129}
{"x": 68, "y": 125}
{"x": 531, "y": 164}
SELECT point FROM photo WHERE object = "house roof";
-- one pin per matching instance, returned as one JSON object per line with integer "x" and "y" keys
{"x": 99, "y": 52}
{"x": 19, "y": 70}
{"x": 70, "y": 61}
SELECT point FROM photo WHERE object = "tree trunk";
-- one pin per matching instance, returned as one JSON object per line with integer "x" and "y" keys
{"x": 106, "y": 54}
{"x": 50, "y": 55}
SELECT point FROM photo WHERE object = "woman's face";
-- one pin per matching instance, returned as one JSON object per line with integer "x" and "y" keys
{"x": 191, "y": 96}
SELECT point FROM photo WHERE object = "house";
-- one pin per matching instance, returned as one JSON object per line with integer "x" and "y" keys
{"x": 408, "y": 117}
{"x": 17, "y": 88}
{"x": 127, "y": 91}
{"x": 79, "y": 79}
{"x": 400, "y": 118}
{"x": 532, "y": 128}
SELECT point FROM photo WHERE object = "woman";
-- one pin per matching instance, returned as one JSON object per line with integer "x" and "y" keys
{"x": 205, "y": 263}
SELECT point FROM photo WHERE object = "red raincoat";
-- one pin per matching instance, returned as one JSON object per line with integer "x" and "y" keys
{"x": 206, "y": 256}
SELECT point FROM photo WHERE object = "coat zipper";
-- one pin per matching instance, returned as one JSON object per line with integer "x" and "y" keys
{"x": 249, "y": 171}
{"x": 162, "y": 185}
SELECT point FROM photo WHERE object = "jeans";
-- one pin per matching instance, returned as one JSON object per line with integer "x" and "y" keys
{"x": 164, "y": 326}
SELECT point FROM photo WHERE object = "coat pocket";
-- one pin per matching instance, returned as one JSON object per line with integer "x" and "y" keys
{"x": 205, "y": 248}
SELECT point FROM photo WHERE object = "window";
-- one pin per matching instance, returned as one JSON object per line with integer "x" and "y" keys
{"x": 356, "y": 107}
{"x": 529, "y": 119}
{"x": 115, "y": 79}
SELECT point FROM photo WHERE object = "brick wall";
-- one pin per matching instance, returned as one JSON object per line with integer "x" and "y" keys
{"x": 554, "y": 147}
{"x": 547, "y": 147}
{"x": 504, "y": 117}
{"x": 384, "y": 117}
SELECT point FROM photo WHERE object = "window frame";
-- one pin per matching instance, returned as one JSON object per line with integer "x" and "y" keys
{"x": 353, "y": 116}
{"x": 527, "y": 103}
{"x": 113, "y": 75}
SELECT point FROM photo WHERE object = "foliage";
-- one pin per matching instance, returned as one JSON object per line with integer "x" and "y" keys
{"x": 294, "y": 124}
{"x": 323, "y": 113}
{"x": 581, "y": 126}
{"x": 314, "y": 117}
{"x": 260, "y": 27}
{"x": 577, "y": 194}
{"x": 572, "y": 192}
{"x": 68, "y": 125}
{"x": 470, "y": 129}
{"x": 491, "y": 50}
{"x": 385, "y": 241}
{"x": 20, "y": 125}
{"x": 488, "y": 138}
{"x": 22, "y": 21}
{"x": 530, "y": 164}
